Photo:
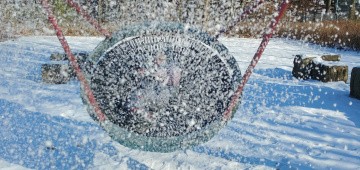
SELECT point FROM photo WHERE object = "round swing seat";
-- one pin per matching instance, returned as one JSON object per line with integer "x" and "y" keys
{"x": 162, "y": 86}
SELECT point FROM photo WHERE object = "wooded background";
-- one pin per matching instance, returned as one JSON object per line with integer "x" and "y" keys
{"x": 26, "y": 17}
{"x": 198, "y": 12}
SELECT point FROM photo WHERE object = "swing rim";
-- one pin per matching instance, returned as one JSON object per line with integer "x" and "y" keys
{"x": 171, "y": 143}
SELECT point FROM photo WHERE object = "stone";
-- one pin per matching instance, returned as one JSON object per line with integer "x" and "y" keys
{"x": 56, "y": 73}
{"x": 58, "y": 57}
{"x": 80, "y": 56}
{"x": 355, "y": 82}
{"x": 302, "y": 67}
{"x": 329, "y": 73}
{"x": 323, "y": 68}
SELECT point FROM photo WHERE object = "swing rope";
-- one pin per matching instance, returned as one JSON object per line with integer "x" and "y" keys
{"x": 81, "y": 77}
{"x": 266, "y": 38}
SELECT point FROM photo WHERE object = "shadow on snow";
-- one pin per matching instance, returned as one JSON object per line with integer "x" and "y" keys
{"x": 281, "y": 90}
{"x": 39, "y": 141}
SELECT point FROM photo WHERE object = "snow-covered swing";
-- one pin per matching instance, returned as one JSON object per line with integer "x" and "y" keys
{"x": 160, "y": 86}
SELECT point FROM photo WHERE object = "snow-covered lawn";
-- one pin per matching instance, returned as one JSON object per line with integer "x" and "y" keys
{"x": 282, "y": 123}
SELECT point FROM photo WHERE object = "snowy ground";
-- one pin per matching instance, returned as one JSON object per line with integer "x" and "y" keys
{"x": 282, "y": 123}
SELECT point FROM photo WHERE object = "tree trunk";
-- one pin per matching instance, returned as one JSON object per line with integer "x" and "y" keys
{"x": 352, "y": 10}
{"x": 206, "y": 14}
{"x": 100, "y": 2}
{"x": 328, "y": 6}
{"x": 179, "y": 9}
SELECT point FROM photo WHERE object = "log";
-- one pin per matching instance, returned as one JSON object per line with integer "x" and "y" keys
{"x": 355, "y": 83}
{"x": 331, "y": 57}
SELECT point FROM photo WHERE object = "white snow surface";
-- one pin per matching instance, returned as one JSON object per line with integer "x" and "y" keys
{"x": 282, "y": 122}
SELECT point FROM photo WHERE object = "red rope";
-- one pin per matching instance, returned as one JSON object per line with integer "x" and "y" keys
{"x": 266, "y": 38}
{"x": 73, "y": 62}
{"x": 88, "y": 18}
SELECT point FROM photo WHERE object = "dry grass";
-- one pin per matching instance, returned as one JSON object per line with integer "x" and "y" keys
{"x": 79, "y": 28}
{"x": 338, "y": 34}
{"x": 249, "y": 29}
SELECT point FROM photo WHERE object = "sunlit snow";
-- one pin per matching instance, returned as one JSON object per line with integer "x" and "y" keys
{"x": 282, "y": 122}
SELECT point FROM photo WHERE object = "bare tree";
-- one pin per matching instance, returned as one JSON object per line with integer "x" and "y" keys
{"x": 327, "y": 6}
